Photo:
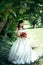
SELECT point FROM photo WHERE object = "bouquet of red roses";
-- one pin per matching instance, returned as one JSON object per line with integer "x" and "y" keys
{"x": 23, "y": 34}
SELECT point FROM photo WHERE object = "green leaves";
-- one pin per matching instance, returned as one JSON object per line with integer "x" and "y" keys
{"x": 19, "y": 9}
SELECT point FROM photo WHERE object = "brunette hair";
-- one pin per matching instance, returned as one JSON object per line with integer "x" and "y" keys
{"x": 20, "y": 21}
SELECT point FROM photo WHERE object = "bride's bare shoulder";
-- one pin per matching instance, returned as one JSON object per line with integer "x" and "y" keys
{"x": 17, "y": 28}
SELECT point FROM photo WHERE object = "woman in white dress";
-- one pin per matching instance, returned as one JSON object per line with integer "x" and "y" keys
{"x": 21, "y": 51}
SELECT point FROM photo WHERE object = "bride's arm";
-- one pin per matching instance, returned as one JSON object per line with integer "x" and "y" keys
{"x": 16, "y": 32}
{"x": 27, "y": 35}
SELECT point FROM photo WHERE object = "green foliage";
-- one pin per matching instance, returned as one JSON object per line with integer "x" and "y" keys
{"x": 32, "y": 19}
{"x": 19, "y": 9}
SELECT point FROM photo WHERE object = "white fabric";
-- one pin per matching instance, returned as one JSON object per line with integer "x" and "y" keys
{"x": 21, "y": 51}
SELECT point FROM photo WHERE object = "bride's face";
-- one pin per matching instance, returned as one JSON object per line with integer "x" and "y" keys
{"x": 21, "y": 24}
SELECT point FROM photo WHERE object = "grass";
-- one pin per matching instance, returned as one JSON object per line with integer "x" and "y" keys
{"x": 36, "y": 35}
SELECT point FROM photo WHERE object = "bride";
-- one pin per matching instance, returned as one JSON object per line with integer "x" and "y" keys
{"x": 21, "y": 51}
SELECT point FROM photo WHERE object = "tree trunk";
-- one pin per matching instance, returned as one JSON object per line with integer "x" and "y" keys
{"x": 5, "y": 28}
{"x": 33, "y": 25}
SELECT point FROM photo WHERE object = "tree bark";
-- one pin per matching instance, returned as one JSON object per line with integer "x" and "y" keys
{"x": 5, "y": 28}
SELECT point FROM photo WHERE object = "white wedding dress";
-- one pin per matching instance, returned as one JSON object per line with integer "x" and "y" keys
{"x": 21, "y": 51}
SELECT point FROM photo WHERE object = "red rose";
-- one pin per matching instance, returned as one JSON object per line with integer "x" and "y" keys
{"x": 23, "y": 34}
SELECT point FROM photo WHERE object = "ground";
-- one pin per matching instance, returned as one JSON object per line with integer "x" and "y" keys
{"x": 36, "y": 41}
